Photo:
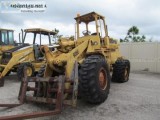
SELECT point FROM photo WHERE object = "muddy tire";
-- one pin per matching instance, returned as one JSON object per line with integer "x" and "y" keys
{"x": 20, "y": 70}
{"x": 94, "y": 79}
{"x": 121, "y": 71}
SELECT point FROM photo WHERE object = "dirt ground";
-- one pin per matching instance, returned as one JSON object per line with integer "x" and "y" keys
{"x": 138, "y": 99}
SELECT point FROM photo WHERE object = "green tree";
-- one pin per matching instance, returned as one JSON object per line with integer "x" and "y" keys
{"x": 142, "y": 39}
{"x": 133, "y": 31}
{"x": 133, "y": 35}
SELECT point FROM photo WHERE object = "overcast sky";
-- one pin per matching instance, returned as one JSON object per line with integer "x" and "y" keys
{"x": 120, "y": 16}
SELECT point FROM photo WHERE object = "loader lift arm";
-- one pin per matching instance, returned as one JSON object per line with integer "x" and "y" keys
{"x": 16, "y": 59}
{"x": 61, "y": 60}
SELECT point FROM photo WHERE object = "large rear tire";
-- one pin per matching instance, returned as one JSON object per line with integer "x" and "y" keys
{"x": 121, "y": 71}
{"x": 94, "y": 79}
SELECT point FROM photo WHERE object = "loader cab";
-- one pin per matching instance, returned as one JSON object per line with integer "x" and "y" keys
{"x": 38, "y": 37}
{"x": 92, "y": 24}
{"x": 6, "y": 37}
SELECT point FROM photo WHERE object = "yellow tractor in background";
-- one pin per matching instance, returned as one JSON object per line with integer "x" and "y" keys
{"x": 77, "y": 68}
{"x": 15, "y": 59}
{"x": 6, "y": 40}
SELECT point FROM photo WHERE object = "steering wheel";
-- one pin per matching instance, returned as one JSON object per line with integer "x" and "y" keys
{"x": 86, "y": 32}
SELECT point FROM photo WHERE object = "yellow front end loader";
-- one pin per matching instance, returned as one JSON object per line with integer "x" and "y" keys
{"x": 79, "y": 68}
{"x": 26, "y": 55}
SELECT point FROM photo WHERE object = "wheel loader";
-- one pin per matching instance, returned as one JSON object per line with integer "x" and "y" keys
{"x": 15, "y": 59}
{"x": 77, "y": 68}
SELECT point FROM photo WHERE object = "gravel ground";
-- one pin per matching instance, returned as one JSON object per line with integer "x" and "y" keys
{"x": 138, "y": 99}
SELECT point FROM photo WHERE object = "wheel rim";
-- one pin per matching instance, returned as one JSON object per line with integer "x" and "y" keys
{"x": 29, "y": 71}
{"x": 126, "y": 73}
{"x": 102, "y": 79}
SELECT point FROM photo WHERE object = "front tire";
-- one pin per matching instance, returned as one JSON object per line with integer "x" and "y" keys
{"x": 94, "y": 79}
{"x": 29, "y": 69}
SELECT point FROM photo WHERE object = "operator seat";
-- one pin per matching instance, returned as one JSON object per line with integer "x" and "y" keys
{"x": 37, "y": 53}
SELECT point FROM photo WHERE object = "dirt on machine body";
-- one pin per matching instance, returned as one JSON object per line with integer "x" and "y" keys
{"x": 78, "y": 67}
